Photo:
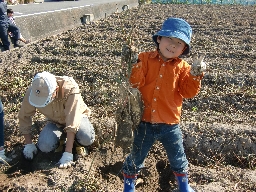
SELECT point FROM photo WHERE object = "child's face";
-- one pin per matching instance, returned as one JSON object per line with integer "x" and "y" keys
{"x": 170, "y": 47}
{"x": 10, "y": 14}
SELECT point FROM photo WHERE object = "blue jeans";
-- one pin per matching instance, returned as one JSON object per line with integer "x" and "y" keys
{"x": 6, "y": 27}
{"x": 145, "y": 136}
{"x": 1, "y": 124}
{"x": 51, "y": 134}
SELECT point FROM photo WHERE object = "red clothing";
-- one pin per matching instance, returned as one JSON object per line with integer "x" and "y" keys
{"x": 163, "y": 85}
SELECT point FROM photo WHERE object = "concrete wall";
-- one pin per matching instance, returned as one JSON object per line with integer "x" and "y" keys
{"x": 39, "y": 26}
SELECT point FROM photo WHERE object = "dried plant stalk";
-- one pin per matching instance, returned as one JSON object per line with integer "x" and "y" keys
{"x": 129, "y": 114}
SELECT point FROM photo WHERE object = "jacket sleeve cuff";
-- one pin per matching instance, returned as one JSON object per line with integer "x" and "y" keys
{"x": 70, "y": 129}
{"x": 197, "y": 78}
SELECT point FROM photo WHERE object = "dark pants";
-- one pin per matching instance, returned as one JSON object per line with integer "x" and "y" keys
{"x": 1, "y": 125}
{"x": 6, "y": 27}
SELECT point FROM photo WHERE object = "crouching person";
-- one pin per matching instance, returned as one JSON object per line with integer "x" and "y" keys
{"x": 59, "y": 99}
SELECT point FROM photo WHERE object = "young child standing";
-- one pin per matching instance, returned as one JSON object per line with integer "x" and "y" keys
{"x": 163, "y": 80}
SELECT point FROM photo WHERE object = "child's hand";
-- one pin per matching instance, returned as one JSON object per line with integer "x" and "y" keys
{"x": 198, "y": 66}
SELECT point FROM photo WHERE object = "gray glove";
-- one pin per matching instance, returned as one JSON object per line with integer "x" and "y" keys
{"x": 66, "y": 160}
{"x": 198, "y": 66}
{"x": 3, "y": 158}
{"x": 30, "y": 151}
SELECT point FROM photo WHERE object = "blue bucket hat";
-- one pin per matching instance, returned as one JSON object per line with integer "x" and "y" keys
{"x": 178, "y": 28}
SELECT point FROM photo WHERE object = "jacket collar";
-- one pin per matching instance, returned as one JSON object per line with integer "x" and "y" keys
{"x": 156, "y": 54}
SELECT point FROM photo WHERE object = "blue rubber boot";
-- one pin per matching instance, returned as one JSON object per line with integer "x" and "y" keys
{"x": 129, "y": 183}
{"x": 182, "y": 180}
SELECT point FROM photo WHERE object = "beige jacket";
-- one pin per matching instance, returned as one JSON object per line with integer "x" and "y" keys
{"x": 66, "y": 109}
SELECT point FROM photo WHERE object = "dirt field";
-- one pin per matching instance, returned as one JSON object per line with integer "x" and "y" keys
{"x": 218, "y": 124}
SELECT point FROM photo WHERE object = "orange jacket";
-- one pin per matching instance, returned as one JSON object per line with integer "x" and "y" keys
{"x": 163, "y": 85}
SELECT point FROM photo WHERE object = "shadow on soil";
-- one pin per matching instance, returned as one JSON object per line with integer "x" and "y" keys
{"x": 42, "y": 161}
{"x": 114, "y": 169}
